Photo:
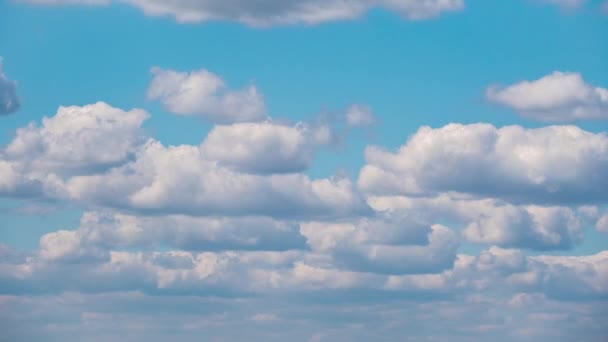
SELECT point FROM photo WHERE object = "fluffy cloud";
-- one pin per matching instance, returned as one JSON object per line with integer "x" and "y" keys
{"x": 527, "y": 227}
{"x": 78, "y": 139}
{"x": 179, "y": 179}
{"x": 558, "y": 277}
{"x": 555, "y": 164}
{"x": 62, "y": 266}
{"x": 276, "y": 12}
{"x": 9, "y": 101}
{"x": 98, "y": 154}
{"x": 265, "y": 147}
{"x": 204, "y": 93}
{"x": 379, "y": 247}
{"x": 495, "y": 222}
{"x": 105, "y": 230}
{"x": 558, "y": 97}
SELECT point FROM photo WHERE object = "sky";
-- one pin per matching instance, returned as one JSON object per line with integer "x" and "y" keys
{"x": 312, "y": 170}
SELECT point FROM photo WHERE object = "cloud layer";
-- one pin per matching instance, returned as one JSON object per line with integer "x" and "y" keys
{"x": 276, "y": 12}
{"x": 460, "y": 220}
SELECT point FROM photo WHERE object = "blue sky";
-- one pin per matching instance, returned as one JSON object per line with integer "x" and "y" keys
{"x": 272, "y": 163}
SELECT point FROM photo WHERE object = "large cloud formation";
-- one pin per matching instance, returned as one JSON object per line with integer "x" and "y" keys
{"x": 554, "y": 164}
{"x": 275, "y": 12}
{"x": 455, "y": 222}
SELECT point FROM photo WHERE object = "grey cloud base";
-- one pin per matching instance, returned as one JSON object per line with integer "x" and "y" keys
{"x": 275, "y": 12}
{"x": 9, "y": 101}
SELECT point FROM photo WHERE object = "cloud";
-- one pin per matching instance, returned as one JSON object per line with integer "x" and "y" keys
{"x": 9, "y": 101}
{"x": 64, "y": 265}
{"x": 359, "y": 116}
{"x": 78, "y": 139}
{"x": 369, "y": 247}
{"x": 602, "y": 223}
{"x": 137, "y": 316}
{"x": 495, "y": 222}
{"x": 276, "y": 12}
{"x": 204, "y": 93}
{"x": 267, "y": 147}
{"x": 527, "y": 227}
{"x": 558, "y": 97}
{"x": 555, "y": 164}
{"x": 99, "y": 155}
{"x": 178, "y": 179}
{"x": 107, "y": 230}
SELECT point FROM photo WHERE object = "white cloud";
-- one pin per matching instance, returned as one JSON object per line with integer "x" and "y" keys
{"x": 9, "y": 101}
{"x": 178, "y": 179}
{"x": 558, "y": 97}
{"x": 555, "y": 164}
{"x": 495, "y": 222}
{"x": 602, "y": 223}
{"x": 66, "y": 245}
{"x": 359, "y": 116}
{"x": 63, "y": 265}
{"x": 532, "y": 227}
{"x": 78, "y": 139}
{"x": 377, "y": 247}
{"x": 265, "y": 147}
{"x": 276, "y": 12}
{"x": 204, "y": 93}
{"x": 105, "y": 230}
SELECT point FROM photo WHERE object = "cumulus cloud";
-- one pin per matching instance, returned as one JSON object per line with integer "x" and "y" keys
{"x": 276, "y": 12}
{"x": 266, "y": 147}
{"x": 78, "y": 139}
{"x": 378, "y": 247}
{"x": 62, "y": 266}
{"x": 178, "y": 179}
{"x": 495, "y": 222}
{"x": 558, "y": 97}
{"x": 9, "y": 101}
{"x": 107, "y": 230}
{"x": 555, "y": 164}
{"x": 528, "y": 227}
{"x": 204, "y": 93}
{"x": 98, "y": 154}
